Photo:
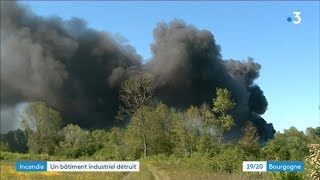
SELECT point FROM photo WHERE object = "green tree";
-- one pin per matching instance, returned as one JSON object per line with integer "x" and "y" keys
{"x": 159, "y": 120}
{"x": 135, "y": 94}
{"x": 133, "y": 141}
{"x": 157, "y": 124}
{"x": 207, "y": 117}
{"x": 193, "y": 125}
{"x": 78, "y": 142}
{"x": 313, "y": 135}
{"x": 191, "y": 130}
{"x": 100, "y": 137}
{"x": 3, "y": 143}
{"x": 230, "y": 158}
{"x": 222, "y": 107}
{"x": 249, "y": 142}
{"x": 199, "y": 127}
{"x": 180, "y": 136}
{"x": 17, "y": 141}
{"x": 292, "y": 144}
{"x": 74, "y": 142}
{"x": 116, "y": 141}
{"x": 41, "y": 124}
{"x": 112, "y": 142}
{"x": 207, "y": 141}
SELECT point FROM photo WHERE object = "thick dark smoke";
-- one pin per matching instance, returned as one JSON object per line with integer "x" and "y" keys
{"x": 71, "y": 67}
{"x": 78, "y": 70}
{"x": 188, "y": 68}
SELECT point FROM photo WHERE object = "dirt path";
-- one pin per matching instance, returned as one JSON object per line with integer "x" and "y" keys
{"x": 146, "y": 172}
{"x": 156, "y": 174}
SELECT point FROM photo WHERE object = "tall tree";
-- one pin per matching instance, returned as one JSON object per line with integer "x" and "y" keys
{"x": 160, "y": 122}
{"x": 135, "y": 93}
{"x": 42, "y": 125}
{"x": 17, "y": 141}
{"x": 222, "y": 107}
{"x": 250, "y": 141}
{"x": 180, "y": 136}
{"x": 207, "y": 140}
{"x": 157, "y": 125}
{"x": 193, "y": 123}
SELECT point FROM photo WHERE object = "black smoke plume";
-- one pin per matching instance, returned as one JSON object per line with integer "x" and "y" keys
{"x": 78, "y": 70}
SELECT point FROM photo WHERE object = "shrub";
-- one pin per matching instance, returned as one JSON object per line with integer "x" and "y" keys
{"x": 288, "y": 175}
{"x": 17, "y": 156}
{"x": 105, "y": 154}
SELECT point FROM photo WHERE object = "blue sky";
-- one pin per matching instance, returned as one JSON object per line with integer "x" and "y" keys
{"x": 288, "y": 53}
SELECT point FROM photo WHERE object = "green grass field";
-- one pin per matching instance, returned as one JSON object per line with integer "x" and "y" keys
{"x": 9, "y": 172}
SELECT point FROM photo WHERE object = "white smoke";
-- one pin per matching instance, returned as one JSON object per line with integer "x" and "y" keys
{"x": 11, "y": 117}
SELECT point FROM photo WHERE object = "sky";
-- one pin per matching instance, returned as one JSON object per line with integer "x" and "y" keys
{"x": 288, "y": 53}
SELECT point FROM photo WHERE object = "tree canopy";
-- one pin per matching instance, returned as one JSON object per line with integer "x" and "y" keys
{"x": 42, "y": 125}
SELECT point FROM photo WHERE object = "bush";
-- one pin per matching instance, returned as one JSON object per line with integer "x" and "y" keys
{"x": 288, "y": 175}
{"x": 230, "y": 160}
{"x": 157, "y": 158}
{"x": 105, "y": 154}
{"x": 18, "y": 156}
{"x": 202, "y": 161}
{"x": 14, "y": 141}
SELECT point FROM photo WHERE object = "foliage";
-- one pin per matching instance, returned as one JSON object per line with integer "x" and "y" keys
{"x": 249, "y": 142}
{"x": 180, "y": 137}
{"x": 135, "y": 95}
{"x": 18, "y": 156}
{"x": 187, "y": 138}
{"x": 313, "y": 135}
{"x": 193, "y": 124}
{"x": 3, "y": 144}
{"x": 223, "y": 104}
{"x": 75, "y": 141}
{"x": 230, "y": 159}
{"x": 15, "y": 141}
{"x": 74, "y": 136}
{"x": 155, "y": 128}
{"x": 41, "y": 124}
{"x": 112, "y": 143}
{"x": 199, "y": 128}
{"x": 288, "y": 176}
{"x": 158, "y": 121}
{"x": 290, "y": 145}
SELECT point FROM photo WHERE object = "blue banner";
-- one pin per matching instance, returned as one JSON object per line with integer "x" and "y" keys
{"x": 31, "y": 166}
{"x": 285, "y": 166}
{"x": 78, "y": 166}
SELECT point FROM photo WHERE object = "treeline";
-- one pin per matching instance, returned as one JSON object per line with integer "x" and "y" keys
{"x": 195, "y": 135}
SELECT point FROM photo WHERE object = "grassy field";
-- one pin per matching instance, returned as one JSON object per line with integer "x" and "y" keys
{"x": 148, "y": 171}
{"x": 174, "y": 171}
{"x": 8, "y": 172}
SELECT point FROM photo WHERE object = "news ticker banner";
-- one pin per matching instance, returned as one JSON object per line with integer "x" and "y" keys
{"x": 134, "y": 166}
{"x": 273, "y": 166}
{"x": 78, "y": 166}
